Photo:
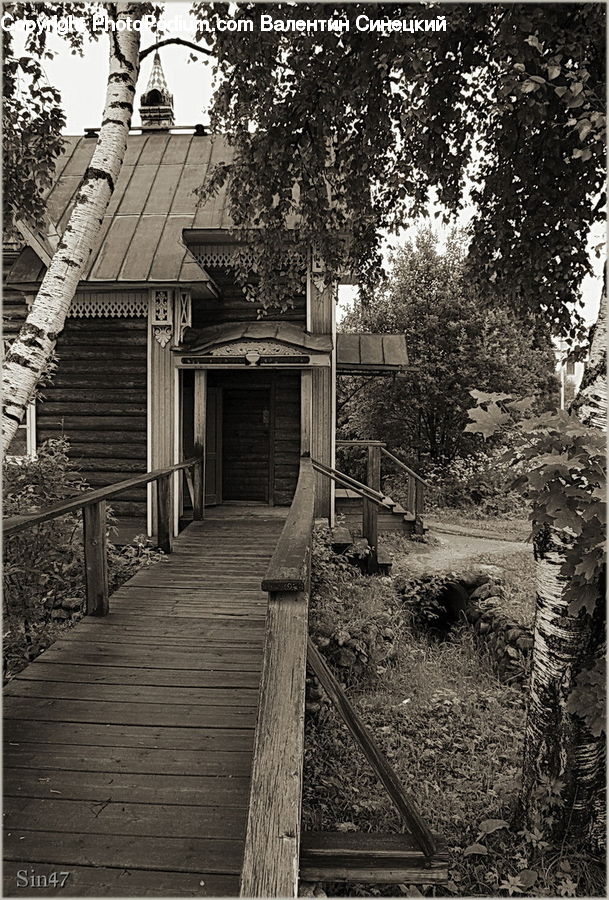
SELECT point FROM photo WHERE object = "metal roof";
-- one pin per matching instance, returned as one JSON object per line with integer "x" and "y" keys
{"x": 370, "y": 354}
{"x": 153, "y": 201}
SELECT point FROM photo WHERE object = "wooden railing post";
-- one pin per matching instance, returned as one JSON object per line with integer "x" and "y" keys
{"x": 96, "y": 562}
{"x": 197, "y": 490}
{"x": 370, "y": 532}
{"x": 412, "y": 494}
{"x": 419, "y": 499}
{"x": 164, "y": 512}
{"x": 373, "y": 479}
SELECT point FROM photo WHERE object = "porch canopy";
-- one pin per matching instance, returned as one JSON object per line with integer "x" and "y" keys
{"x": 255, "y": 343}
{"x": 370, "y": 354}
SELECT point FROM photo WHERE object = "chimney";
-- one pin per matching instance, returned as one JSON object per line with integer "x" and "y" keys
{"x": 156, "y": 105}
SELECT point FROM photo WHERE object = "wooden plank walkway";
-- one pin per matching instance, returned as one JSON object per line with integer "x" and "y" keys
{"x": 128, "y": 743}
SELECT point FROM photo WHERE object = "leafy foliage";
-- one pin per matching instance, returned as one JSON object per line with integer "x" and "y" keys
{"x": 454, "y": 344}
{"x": 421, "y": 598}
{"x": 356, "y": 635}
{"x": 32, "y": 116}
{"x": 44, "y": 565}
{"x": 476, "y": 483}
{"x": 564, "y": 479}
{"x": 343, "y": 134}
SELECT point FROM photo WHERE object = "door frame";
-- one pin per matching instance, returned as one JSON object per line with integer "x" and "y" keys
{"x": 218, "y": 408}
{"x": 269, "y": 389}
{"x": 200, "y": 411}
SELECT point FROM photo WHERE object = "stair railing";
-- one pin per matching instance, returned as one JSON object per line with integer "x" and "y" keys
{"x": 415, "y": 484}
{"x": 272, "y": 842}
{"x": 94, "y": 520}
{"x": 371, "y": 500}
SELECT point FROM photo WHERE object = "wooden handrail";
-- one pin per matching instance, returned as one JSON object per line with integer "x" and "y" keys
{"x": 402, "y": 465}
{"x": 351, "y": 483}
{"x": 382, "y": 769}
{"x": 289, "y": 565}
{"x": 371, "y": 499}
{"x": 361, "y": 444}
{"x": 13, "y": 524}
{"x": 93, "y": 505}
{"x": 272, "y": 843}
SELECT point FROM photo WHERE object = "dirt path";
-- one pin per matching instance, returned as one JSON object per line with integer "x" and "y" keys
{"x": 449, "y": 549}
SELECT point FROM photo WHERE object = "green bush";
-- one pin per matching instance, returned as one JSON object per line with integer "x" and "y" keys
{"x": 478, "y": 482}
{"x": 421, "y": 604}
{"x": 354, "y": 619}
{"x": 44, "y": 564}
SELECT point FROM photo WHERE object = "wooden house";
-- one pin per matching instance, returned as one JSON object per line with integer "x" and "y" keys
{"x": 161, "y": 352}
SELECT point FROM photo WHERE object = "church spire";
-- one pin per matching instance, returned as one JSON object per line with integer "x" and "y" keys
{"x": 156, "y": 105}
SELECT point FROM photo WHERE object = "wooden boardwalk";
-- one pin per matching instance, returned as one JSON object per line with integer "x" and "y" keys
{"x": 128, "y": 743}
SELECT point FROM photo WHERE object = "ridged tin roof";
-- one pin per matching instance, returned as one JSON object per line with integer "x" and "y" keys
{"x": 153, "y": 201}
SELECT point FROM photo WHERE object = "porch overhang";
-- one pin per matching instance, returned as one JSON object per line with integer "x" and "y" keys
{"x": 259, "y": 344}
{"x": 371, "y": 354}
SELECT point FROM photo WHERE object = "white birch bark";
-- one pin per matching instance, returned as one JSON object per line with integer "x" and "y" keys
{"x": 558, "y": 745}
{"x": 31, "y": 351}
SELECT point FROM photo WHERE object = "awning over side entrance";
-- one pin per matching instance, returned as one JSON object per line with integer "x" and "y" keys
{"x": 371, "y": 354}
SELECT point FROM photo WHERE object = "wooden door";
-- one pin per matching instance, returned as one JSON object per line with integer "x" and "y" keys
{"x": 213, "y": 447}
{"x": 246, "y": 444}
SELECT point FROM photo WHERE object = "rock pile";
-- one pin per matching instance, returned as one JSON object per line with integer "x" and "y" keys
{"x": 508, "y": 642}
{"x": 68, "y": 610}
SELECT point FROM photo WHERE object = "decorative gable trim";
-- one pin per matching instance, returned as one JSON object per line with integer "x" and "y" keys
{"x": 110, "y": 304}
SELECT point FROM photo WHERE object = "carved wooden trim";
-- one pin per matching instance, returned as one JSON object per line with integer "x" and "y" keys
{"x": 109, "y": 304}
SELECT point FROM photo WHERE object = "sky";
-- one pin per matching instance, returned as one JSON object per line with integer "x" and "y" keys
{"x": 81, "y": 81}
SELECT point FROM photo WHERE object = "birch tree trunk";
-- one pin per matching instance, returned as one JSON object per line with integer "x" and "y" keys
{"x": 564, "y": 763}
{"x": 31, "y": 351}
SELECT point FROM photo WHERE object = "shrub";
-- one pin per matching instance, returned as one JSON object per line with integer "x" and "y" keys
{"x": 44, "y": 564}
{"x": 478, "y": 482}
{"x": 422, "y": 602}
{"x": 354, "y": 619}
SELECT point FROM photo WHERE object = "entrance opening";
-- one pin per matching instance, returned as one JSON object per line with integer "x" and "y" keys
{"x": 252, "y": 435}
{"x": 246, "y": 450}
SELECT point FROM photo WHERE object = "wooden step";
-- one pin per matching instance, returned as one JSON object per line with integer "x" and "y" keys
{"x": 370, "y": 858}
{"x": 341, "y": 538}
{"x": 384, "y": 561}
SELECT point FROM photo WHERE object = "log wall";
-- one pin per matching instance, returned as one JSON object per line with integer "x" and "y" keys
{"x": 233, "y": 307}
{"x": 98, "y": 399}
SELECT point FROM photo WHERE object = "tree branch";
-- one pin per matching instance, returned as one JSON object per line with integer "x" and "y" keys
{"x": 180, "y": 41}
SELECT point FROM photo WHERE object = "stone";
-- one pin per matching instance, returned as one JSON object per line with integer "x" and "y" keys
{"x": 72, "y": 603}
{"x": 477, "y": 575}
{"x": 484, "y": 627}
{"x": 481, "y": 593}
{"x": 345, "y": 658}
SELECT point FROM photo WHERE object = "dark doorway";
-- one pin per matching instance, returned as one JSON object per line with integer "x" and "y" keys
{"x": 246, "y": 439}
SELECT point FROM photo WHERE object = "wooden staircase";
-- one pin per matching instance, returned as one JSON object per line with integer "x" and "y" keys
{"x": 394, "y": 517}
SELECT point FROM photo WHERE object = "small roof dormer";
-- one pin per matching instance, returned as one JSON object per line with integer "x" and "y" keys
{"x": 156, "y": 105}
